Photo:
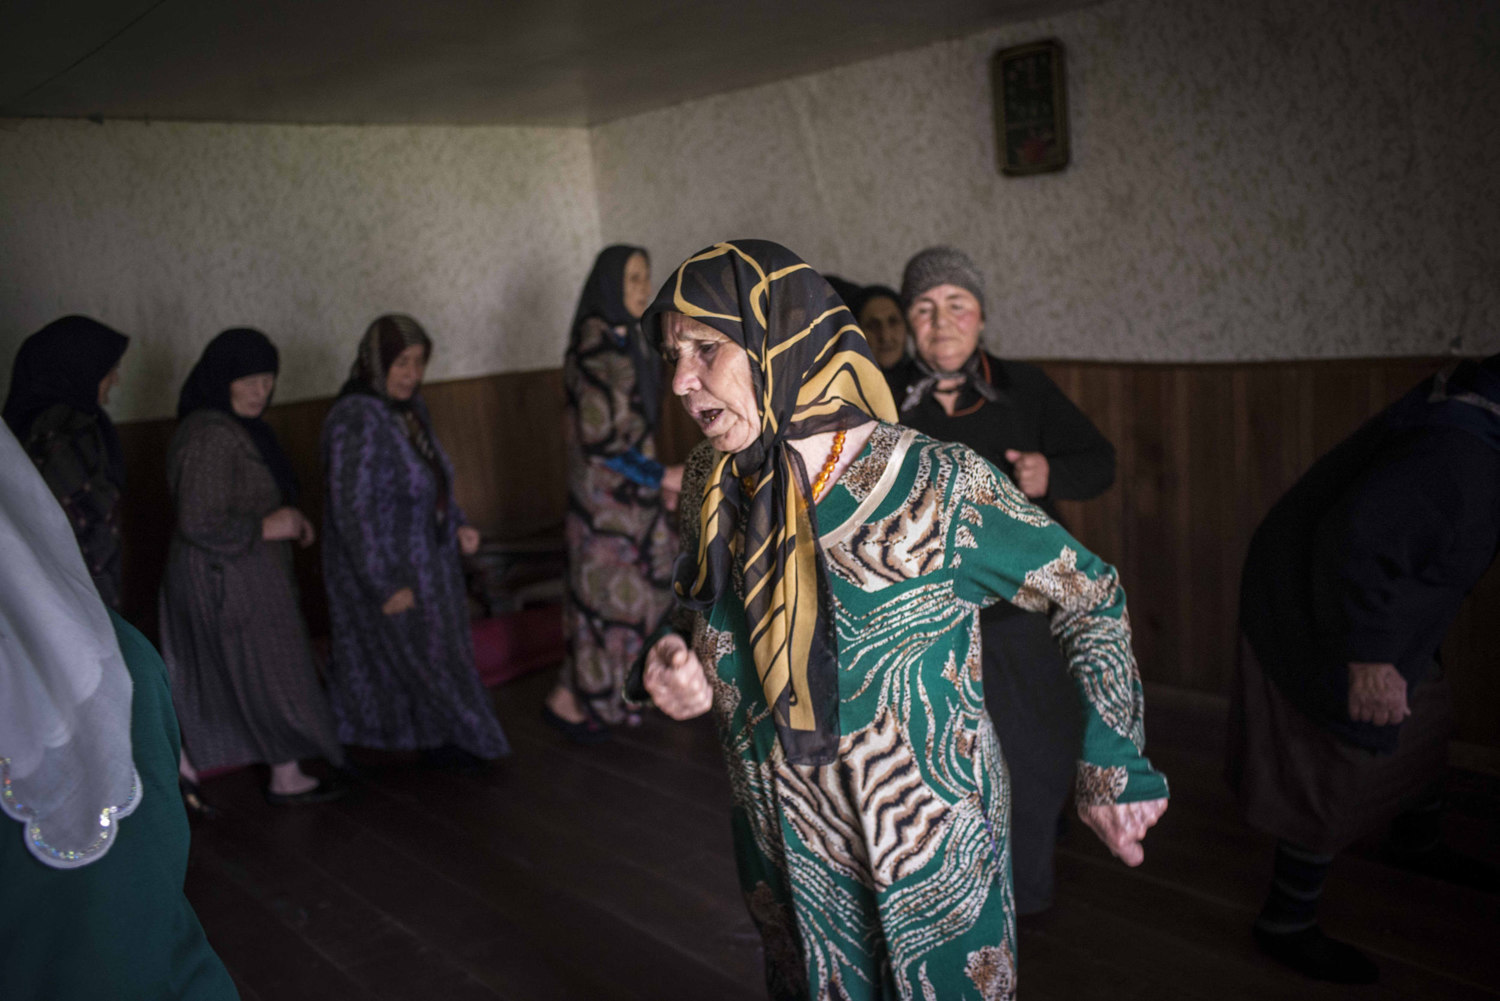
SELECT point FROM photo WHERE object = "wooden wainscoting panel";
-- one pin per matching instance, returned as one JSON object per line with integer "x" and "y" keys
{"x": 1203, "y": 451}
{"x": 505, "y": 434}
{"x": 146, "y": 519}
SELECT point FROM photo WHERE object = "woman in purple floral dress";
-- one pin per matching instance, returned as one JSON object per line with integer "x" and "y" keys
{"x": 402, "y": 670}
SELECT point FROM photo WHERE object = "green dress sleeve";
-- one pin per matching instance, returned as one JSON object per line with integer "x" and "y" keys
{"x": 1002, "y": 546}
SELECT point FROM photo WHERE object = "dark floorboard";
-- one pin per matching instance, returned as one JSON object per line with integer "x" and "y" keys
{"x": 606, "y": 872}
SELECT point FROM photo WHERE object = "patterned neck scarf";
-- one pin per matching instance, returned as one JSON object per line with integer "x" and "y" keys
{"x": 812, "y": 372}
{"x": 973, "y": 376}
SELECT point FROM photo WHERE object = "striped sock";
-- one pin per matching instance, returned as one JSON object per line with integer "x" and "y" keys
{"x": 1296, "y": 885}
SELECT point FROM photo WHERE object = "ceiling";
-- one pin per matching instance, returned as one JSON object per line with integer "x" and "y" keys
{"x": 513, "y": 62}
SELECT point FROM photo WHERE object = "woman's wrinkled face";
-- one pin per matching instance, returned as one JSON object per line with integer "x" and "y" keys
{"x": 637, "y": 285}
{"x": 406, "y": 373}
{"x": 711, "y": 374}
{"x": 945, "y": 323}
{"x": 249, "y": 394}
{"x": 107, "y": 383}
{"x": 885, "y": 329}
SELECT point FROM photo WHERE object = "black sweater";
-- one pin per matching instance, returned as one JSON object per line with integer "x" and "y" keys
{"x": 1369, "y": 556}
{"x": 1032, "y": 415}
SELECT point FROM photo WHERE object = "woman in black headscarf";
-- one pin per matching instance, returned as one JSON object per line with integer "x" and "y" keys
{"x": 878, "y": 310}
{"x": 402, "y": 673}
{"x": 243, "y": 675}
{"x": 58, "y": 388}
{"x": 620, "y": 547}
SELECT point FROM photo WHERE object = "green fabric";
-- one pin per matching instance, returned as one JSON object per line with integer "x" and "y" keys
{"x": 118, "y": 928}
{"x": 887, "y": 873}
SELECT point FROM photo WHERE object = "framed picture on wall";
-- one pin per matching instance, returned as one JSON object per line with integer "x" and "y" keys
{"x": 1031, "y": 107}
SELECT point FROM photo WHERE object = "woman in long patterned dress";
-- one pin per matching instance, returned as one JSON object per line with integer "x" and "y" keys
{"x": 841, "y": 635}
{"x": 59, "y": 386}
{"x": 243, "y": 675}
{"x": 402, "y": 669}
{"x": 620, "y": 547}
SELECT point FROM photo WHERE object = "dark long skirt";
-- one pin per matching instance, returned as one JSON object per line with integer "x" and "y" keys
{"x": 1303, "y": 785}
{"x": 243, "y": 675}
{"x": 1034, "y": 706}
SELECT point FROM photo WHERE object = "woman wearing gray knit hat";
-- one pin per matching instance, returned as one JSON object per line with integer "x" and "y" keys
{"x": 1013, "y": 415}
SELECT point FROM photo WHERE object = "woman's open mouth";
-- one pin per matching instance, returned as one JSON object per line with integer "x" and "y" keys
{"x": 707, "y": 418}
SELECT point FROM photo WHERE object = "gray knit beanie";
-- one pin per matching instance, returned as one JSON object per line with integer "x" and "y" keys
{"x": 940, "y": 266}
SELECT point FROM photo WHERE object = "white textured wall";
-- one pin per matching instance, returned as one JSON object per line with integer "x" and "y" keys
{"x": 172, "y": 232}
{"x": 1250, "y": 180}
{"x": 1257, "y": 179}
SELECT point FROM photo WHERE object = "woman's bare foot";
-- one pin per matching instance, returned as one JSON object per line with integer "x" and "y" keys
{"x": 288, "y": 779}
{"x": 564, "y": 703}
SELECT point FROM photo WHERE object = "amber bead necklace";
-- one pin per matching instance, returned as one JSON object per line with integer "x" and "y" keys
{"x": 833, "y": 460}
{"x": 747, "y": 483}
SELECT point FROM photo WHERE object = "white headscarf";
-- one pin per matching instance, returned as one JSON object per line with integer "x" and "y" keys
{"x": 65, "y": 759}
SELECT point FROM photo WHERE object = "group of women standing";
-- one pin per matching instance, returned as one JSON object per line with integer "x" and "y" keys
{"x": 245, "y": 682}
{"x": 833, "y": 571}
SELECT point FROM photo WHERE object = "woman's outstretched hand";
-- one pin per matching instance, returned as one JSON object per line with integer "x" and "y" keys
{"x": 675, "y": 680}
{"x": 1121, "y": 826}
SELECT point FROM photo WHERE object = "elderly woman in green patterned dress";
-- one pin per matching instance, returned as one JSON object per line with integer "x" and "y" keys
{"x": 836, "y": 564}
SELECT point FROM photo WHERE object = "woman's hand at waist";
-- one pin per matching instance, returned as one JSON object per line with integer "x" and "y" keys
{"x": 402, "y": 601}
{"x": 287, "y": 524}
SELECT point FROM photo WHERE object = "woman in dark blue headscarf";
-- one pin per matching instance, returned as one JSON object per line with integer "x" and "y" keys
{"x": 243, "y": 675}
{"x": 58, "y": 388}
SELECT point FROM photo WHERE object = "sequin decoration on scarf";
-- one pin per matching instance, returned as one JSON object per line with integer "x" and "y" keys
{"x": 812, "y": 372}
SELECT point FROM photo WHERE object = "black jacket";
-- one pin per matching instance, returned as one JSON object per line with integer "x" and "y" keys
{"x": 1369, "y": 556}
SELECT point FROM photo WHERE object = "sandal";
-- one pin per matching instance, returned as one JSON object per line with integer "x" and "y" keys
{"x": 323, "y": 792}
{"x": 589, "y": 731}
{"x": 193, "y": 801}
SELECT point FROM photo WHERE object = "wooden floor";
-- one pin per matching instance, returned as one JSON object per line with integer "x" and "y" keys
{"x": 606, "y": 873}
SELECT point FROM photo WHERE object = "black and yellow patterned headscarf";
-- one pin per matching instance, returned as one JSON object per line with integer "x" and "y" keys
{"x": 812, "y": 372}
